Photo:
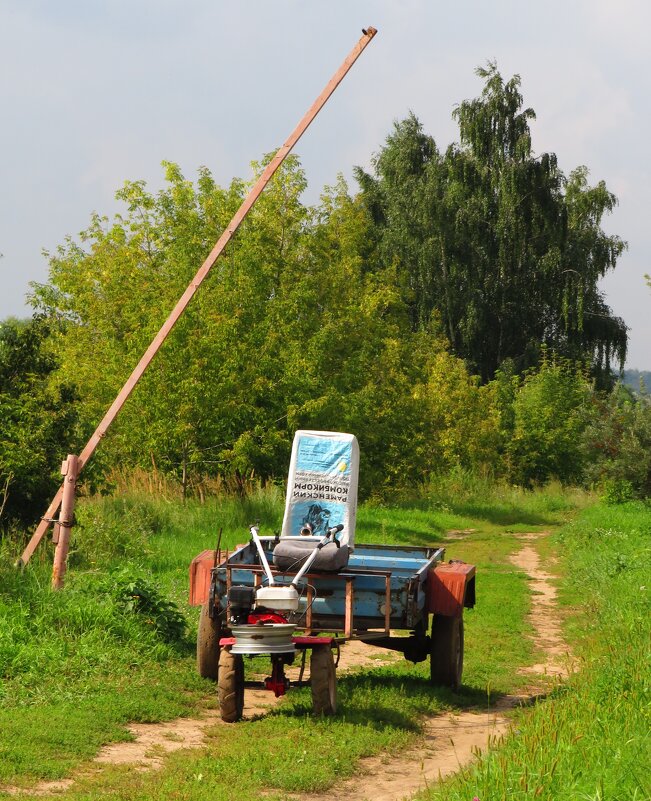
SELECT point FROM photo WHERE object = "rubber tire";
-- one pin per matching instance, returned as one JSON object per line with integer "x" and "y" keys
{"x": 323, "y": 681}
{"x": 446, "y": 653}
{"x": 208, "y": 635}
{"x": 230, "y": 686}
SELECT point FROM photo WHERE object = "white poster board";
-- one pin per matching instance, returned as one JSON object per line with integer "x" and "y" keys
{"x": 322, "y": 484}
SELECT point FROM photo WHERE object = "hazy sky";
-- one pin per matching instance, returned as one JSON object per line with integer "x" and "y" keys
{"x": 93, "y": 94}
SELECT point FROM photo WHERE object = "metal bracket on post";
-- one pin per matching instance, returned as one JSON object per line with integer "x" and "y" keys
{"x": 69, "y": 470}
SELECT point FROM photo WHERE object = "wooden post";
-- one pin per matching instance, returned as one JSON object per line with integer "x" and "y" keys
{"x": 348, "y": 616}
{"x": 69, "y": 470}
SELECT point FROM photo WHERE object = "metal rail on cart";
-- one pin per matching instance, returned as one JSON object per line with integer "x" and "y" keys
{"x": 348, "y": 576}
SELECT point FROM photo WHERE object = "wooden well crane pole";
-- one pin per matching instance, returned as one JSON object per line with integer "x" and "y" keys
{"x": 196, "y": 282}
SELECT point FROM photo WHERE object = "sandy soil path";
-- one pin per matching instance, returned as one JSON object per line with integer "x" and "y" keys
{"x": 544, "y": 617}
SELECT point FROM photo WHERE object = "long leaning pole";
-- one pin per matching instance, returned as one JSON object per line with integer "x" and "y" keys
{"x": 196, "y": 282}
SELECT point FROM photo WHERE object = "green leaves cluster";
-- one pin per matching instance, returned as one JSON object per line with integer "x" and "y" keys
{"x": 617, "y": 445}
{"x": 440, "y": 314}
{"x": 550, "y": 413}
{"x": 37, "y": 419}
{"x": 495, "y": 240}
{"x": 137, "y": 595}
{"x": 295, "y": 327}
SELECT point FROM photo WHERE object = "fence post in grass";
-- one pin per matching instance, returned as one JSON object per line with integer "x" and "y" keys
{"x": 69, "y": 470}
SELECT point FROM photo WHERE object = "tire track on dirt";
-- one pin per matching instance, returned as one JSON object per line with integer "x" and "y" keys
{"x": 544, "y": 616}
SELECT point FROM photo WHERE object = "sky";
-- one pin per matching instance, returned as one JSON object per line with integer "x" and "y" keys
{"x": 93, "y": 94}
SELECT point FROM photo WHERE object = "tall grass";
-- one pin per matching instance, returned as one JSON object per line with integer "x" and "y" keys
{"x": 498, "y": 500}
{"x": 77, "y": 665}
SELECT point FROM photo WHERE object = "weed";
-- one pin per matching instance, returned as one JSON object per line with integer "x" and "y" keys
{"x": 136, "y": 594}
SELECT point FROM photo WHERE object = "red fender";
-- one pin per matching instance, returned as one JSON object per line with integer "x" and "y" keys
{"x": 200, "y": 569}
{"x": 450, "y": 587}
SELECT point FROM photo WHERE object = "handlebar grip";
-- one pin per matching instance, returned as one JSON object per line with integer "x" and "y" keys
{"x": 331, "y": 533}
{"x": 336, "y": 529}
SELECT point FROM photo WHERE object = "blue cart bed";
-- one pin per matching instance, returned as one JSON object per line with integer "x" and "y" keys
{"x": 382, "y": 587}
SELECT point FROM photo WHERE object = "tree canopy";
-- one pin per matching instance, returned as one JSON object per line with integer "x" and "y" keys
{"x": 291, "y": 330}
{"x": 38, "y": 420}
{"x": 448, "y": 314}
{"x": 495, "y": 240}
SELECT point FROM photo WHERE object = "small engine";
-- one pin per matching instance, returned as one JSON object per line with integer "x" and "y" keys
{"x": 240, "y": 601}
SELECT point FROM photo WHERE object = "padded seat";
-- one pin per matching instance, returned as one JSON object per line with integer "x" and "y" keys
{"x": 291, "y": 553}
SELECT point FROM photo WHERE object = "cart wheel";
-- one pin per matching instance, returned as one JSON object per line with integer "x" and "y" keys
{"x": 446, "y": 654}
{"x": 323, "y": 680}
{"x": 230, "y": 686}
{"x": 208, "y": 635}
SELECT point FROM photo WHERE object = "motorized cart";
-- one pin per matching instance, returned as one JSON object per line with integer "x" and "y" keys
{"x": 312, "y": 590}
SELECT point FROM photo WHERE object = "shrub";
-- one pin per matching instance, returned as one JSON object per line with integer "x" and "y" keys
{"x": 617, "y": 445}
{"x": 551, "y": 411}
{"x": 134, "y": 593}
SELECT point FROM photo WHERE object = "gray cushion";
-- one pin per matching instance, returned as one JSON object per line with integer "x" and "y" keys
{"x": 291, "y": 553}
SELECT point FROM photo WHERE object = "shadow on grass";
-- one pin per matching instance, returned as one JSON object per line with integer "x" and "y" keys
{"x": 504, "y": 515}
{"x": 375, "y": 533}
{"x": 394, "y": 701}
{"x": 383, "y": 717}
{"x": 430, "y": 532}
{"x": 500, "y": 514}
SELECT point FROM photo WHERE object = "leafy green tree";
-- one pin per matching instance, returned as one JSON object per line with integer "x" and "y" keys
{"x": 295, "y": 328}
{"x": 286, "y": 321}
{"x": 37, "y": 422}
{"x": 351, "y": 358}
{"x": 495, "y": 239}
{"x": 461, "y": 417}
{"x": 113, "y": 290}
{"x": 298, "y": 326}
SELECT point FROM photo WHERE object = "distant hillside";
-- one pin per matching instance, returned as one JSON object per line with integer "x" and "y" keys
{"x": 632, "y": 378}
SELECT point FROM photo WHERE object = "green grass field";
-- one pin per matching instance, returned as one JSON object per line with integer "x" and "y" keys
{"x": 79, "y": 665}
{"x": 590, "y": 738}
